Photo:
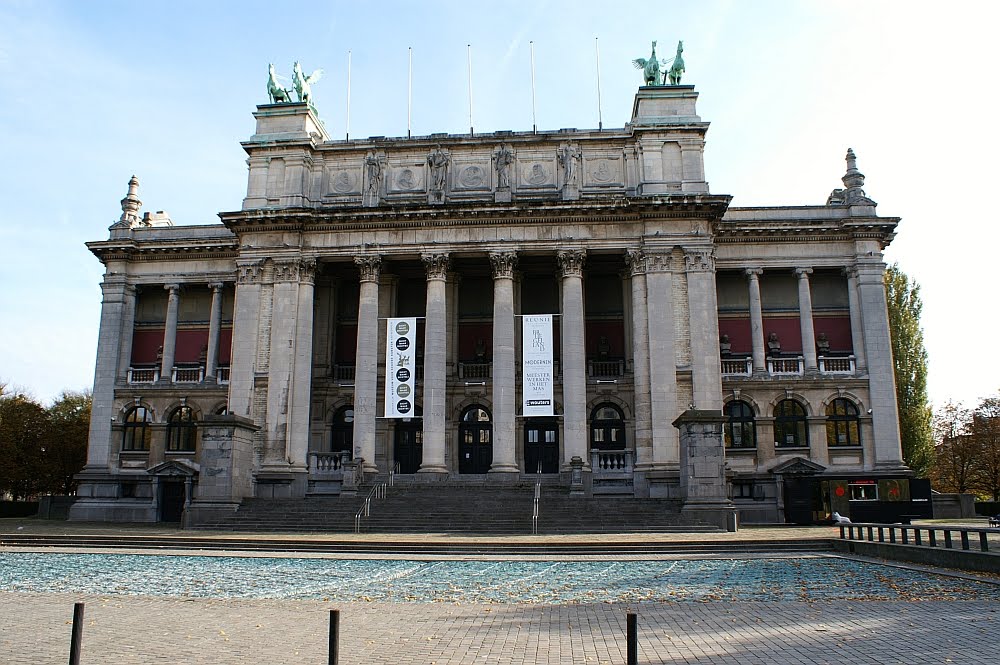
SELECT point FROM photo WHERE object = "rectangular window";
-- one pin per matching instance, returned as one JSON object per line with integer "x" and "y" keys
{"x": 863, "y": 491}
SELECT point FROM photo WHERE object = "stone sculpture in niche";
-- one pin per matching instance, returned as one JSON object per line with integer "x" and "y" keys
{"x": 569, "y": 159}
{"x": 373, "y": 179}
{"x": 503, "y": 157}
{"x": 438, "y": 161}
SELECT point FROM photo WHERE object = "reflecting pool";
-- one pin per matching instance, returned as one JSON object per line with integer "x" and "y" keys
{"x": 450, "y": 581}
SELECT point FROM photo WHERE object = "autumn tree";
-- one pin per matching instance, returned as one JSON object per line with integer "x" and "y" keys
{"x": 23, "y": 427}
{"x": 910, "y": 364}
{"x": 956, "y": 454}
{"x": 66, "y": 442}
{"x": 984, "y": 429}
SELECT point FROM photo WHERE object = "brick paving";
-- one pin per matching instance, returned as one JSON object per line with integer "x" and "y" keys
{"x": 35, "y": 628}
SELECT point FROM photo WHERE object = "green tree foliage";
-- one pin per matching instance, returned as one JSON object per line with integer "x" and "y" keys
{"x": 910, "y": 359}
{"x": 42, "y": 449}
{"x": 956, "y": 453}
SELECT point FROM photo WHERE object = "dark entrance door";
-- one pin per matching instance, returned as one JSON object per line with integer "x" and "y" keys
{"x": 475, "y": 441}
{"x": 408, "y": 445}
{"x": 541, "y": 447}
{"x": 799, "y": 500}
{"x": 171, "y": 500}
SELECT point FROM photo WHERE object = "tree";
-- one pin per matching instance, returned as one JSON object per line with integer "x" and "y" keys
{"x": 66, "y": 443}
{"x": 910, "y": 364}
{"x": 23, "y": 427}
{"x": 956, "y": 454}
{"x": 984, "y": 429}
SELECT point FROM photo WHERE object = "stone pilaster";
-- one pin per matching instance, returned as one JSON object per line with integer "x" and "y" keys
{"x": 574, "y": 369}
{"x": 127, "y": 331}
{"x": 857, "y": 329}
{"x": 214, "y": 326}
{"x": 300, "y": 399}
{"x": 366, "y": 368}
{"x": 109, "y": 340}
{"x": 662, "y": 353}
{"x": 881, "y": 376}
{"x": 246, "y": 313}
{"x": 756, "y": 319}
{"x": 806, "y": 319}
{"x": 435, "y": 364}
{"x": 636, "y": 261}
{"x": 703, "y": 312}
{"x": 169, "y": 333}
{"x": 504, "y": 431}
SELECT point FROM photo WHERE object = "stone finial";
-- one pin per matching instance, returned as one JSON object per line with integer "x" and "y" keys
{"x": 853, "y": 180}
{"x": 130, "y": 206}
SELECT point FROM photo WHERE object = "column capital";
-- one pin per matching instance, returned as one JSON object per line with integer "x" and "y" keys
{"x": 294, "y": 270}
{"x": 369, "y": 267}
{"x": 699, "y": 260}
{"x": 803, "y": 273}
{"x": 503, "y": 264}
{"x": 635, "y": 259}
{"x": 250, "y": 273}
{"x": 851, "y": 272}
{"x": 753, "y": 273}
{"x": 216, "y": 286}
{"x": 172, "y": 288}
{"x": 436, "y": 265}
{"x": 571, "y": 262}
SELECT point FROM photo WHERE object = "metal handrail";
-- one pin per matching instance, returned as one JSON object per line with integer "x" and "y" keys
{"x": 535, "y": 501}
{"x": 377, "y": 492}
{"x": 392, "y": 474}
{"x": 914, "y": 535}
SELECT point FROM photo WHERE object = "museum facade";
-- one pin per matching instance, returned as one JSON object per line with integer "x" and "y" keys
{"x": 249, "y": 358}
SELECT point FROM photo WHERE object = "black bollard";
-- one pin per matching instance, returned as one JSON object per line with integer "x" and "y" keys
{"x": 77, "y": 638}
{"x": 334, "y": 635}
{"x": 631, "y": 640}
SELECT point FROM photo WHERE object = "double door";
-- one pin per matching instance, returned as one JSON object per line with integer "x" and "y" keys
{"x": 541, "y": 447}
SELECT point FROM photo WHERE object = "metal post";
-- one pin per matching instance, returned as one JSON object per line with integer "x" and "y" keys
{"x": 965, "y": 539}
{"x": 334, "y": 636}
{"x": 983, "y": 545}
{"x": 77, "y": 638}
{"x": 631, "y": 640}
{"x": 947, "y": 538}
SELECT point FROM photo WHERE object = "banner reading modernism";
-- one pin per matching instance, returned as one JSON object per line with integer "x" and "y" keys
{"x": 400, "y": 368}
{"x": 536, "y": 365}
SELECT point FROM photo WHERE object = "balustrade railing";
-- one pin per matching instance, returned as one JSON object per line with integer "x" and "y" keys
{"x": 188, "y": 375}
{"x": 737, "y": 366}
{"x": 785, "y": 366}
{"x": 611, "y": 462}
{"x": 475, "y": 370}
{"x": 605, "y": 368}
{"x": 143, "y": 374}
{"x": 926, "y": 536}
{"x": 836, "y": 364}
{"x": 327, "y": 463}
{"x": 222, "y": 374}
{"x": 343, "y": 373}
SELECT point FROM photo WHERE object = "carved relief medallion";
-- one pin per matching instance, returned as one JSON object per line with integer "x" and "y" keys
{"x": 473, "y": 176}
{"x": 344, "y": 182}
{"x": 536, "y": 174}
{"x": 406, "y": 179}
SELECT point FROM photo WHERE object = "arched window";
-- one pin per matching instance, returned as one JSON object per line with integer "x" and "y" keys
{"x": 342, "y": 432}
{"x": 135, "y": 431}
{"x": 607, "y": 427}
{"x": 790, "y": 429}
{"x": 741, "y": 430}
{"x": 842, "y": 423}
{"x": 181, "y": 430}
{"x": 475, "y": 440}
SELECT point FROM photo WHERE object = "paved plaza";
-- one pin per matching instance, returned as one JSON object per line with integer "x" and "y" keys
{"x": 35, "y": 628}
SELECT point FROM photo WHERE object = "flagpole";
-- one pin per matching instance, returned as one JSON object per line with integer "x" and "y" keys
{"x": 471, "y": 125}
{"x": 534, "y": 124}
{"x": 409, "y": 94}
{"x": 348, "y": 135}
{"x": 597, "y": 48}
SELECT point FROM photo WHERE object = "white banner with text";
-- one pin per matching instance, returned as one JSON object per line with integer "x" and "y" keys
{"x": 537, "y": 368}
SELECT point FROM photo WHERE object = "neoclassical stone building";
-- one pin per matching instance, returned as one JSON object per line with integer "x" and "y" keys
{"x": 703, "y": 352}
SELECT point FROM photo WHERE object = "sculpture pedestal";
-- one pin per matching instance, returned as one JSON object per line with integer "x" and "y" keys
{"x": 703, "y": 485}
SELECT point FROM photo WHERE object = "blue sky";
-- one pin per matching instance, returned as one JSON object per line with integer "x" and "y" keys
{"x": 96, "y": 91}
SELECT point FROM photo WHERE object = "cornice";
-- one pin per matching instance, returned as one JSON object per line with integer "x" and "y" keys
{"x": 112, "y": 250}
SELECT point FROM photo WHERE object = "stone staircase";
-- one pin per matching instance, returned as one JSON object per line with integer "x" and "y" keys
{"x": 460, "y": 509}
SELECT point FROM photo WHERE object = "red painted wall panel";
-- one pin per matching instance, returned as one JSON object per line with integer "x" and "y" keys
{"x": 613, "y": 330}
{"x": 190, "y": 343}
{"x": 225, "y": 346}
{"x": 838, "y": 331}
{"x": 468, "y": 334}
{"x": 738, "y": 330}
{"x": 345, "y": 350}
{"x": 789, "y": 333}
{"x": 144, "y": 345}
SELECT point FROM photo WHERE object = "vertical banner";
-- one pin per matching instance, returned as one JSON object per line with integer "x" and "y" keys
{"x": 536, "y": 365}
{"x": 400, "y": 367}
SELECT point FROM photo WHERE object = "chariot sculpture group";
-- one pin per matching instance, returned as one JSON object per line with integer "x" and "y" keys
{"x": 300, "y": 85}
{"x": 651, "y": 68}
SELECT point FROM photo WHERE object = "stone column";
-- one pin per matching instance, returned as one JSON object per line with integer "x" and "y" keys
{"x": 366, "y": 367}
{"x": 756, "y": 320}
{"x": 703, "y": 308}
{"x": 574, "y": 366}
{"x": 662, "y": 353}
{"x": 169, "y": 333}
{"x": 636, "y": 261}
{"x": 857, "y": 329}
{"x": 109, "y": 340}
{"x": 881, "y": 377}
{"x": 504, "y": 431}
{"x": 806, "y": 319}
{"x": 300, "y": 400}
{"x": 435, "y": 364}
{"x": 281, "y": 364}
{"x": 214, "y": 324}
{"x": 246, "y": 314}
{"x": 127, "y": 330}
